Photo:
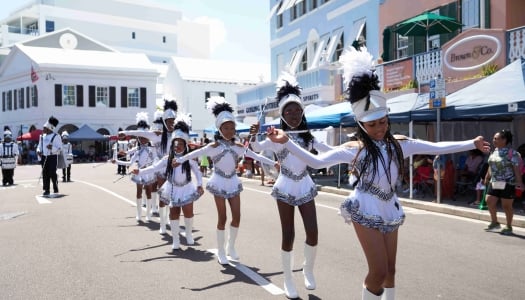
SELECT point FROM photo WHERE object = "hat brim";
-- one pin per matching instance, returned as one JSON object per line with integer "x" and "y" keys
{"x": 375, "y": 115}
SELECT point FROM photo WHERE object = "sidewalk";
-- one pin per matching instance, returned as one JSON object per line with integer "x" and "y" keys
{"x": 458, "y": 207}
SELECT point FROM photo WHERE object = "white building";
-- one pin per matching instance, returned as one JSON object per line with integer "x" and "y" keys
{"x": 136, "y": 26}
{"x": 192, "y": 81}
{"x": 114, "y": 27}
{"x": 80, "y": 81}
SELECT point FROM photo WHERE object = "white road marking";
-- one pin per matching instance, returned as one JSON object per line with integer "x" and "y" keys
{"x": 42, "y": 200}
{"x": 258, "y": 279}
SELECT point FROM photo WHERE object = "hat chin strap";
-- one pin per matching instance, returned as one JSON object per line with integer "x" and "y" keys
{"x": 361, "y": 125}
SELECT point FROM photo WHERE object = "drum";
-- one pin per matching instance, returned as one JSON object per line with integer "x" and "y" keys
{"x": 8, "y": 163}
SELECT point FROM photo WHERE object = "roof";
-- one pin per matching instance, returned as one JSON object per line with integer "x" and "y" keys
{"x": 221, "y": 70}
{"x": 87, "y": 59}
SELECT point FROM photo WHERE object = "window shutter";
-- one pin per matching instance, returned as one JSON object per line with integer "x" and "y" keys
{"x": 91, "y": 96}
{"x": 22, "y": 98}
{"x": 123, "y": 96}
{"x": 15, "y": 99}
{"x": 112, "y": 97}
{"x": 143, "y": 98}
{"x": 3, "y": 101}
{"x": 58, "y": 95}
{"x": 36, "y": 95}
{"x": 80, "y": 95}
{"x": 28, "y": 97}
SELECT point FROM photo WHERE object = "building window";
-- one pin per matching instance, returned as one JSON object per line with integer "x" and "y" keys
{"x": 50, "y": 26}
{"x": 279, "y": 21}
{"x": 340, "y": 46}
{"x": 133, "y": 35}
{"x": 303, "y": 65}
{"x": 133, "y": 97}
{"x": 34, "y": 99}
{"x": 402, "y": 46}
{"x": 470, "y": 13}
{"x": 209, "y": 94}
{"x": 102, "y": 95}
{"x": 69, "y": 95}
{"x": 164, "y": 39}
{"x": 312, "y": 4}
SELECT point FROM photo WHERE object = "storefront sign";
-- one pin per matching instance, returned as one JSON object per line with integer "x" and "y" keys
{"x": 472, "y": 52}
{"x": 397, "y": 74}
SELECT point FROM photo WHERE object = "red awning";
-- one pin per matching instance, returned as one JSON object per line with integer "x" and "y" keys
{"x": 30, "y": 136}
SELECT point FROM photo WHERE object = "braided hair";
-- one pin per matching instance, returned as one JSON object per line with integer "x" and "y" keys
{"x": 361, "y": 78}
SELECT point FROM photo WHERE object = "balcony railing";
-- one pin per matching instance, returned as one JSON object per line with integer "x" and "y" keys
{"x": 515, "y": 44}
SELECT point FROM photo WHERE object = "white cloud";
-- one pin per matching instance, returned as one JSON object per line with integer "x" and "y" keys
{"x": 218, "y": 31}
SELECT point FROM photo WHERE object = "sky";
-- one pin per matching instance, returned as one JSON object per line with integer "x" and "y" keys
{"x": 240, "y": 31}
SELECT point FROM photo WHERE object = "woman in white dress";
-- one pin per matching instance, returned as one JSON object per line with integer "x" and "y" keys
{"x": 225, "y": 154}
{"x": 178, "y": 191}
{"x": 377, "y": 162}
{"x": 144, "y": 156}
{"x": 294, "y": 187}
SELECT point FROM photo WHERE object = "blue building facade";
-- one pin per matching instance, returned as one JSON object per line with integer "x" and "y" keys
{"x": 307, "y": 38}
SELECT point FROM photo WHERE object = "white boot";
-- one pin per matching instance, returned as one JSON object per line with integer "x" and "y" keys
{"x": 367, "y": 295}
{"x": 148, "y": 209}
{"x": 287, "y": 264}
{"x": 155, "y": 208}
{"x": 221, "y": 254}
{"x": 231, "y": 243}
{"x": 389, "y": 294}
{"x": 188, "y": 226}
{"x": 308, "y": 266}
{"x": 139, "y": 209}
{"x": 174, "y": 224}
{"x": 162, "y": 217}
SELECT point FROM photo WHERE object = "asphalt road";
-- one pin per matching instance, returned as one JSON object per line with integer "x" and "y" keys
{"x": 87, "y": 245}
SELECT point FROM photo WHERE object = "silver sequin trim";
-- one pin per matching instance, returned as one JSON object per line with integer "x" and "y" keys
{"x": 295, "y": 177}
{"x": 372, "y": 189}
{"x": 350, "y": 212}
{"x": 292, "y": 200}
{"x": 222, "y": 193}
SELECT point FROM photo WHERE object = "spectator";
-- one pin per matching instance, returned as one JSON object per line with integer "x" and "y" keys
{"x": 503, "y": 176}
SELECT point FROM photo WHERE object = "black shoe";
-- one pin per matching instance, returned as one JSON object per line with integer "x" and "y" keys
{"x": 46, "y": 193}
{"x": 63, "y": 180}
{"x": 68, "y": 180}
{"x": 55, "y": 191}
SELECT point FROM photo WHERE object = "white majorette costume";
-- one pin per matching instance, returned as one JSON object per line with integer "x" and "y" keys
{"x": 377, "y": 161}
{"x": 120, "y": 149}
{"x": 224, "y": 183}
{"x": 67, "y": 151}
{"x": 8, "y": 157}
{"x": 48, "y": 149}
{"x": 144, "y": 156}
{"x": 178, "y": 190}
{"x": 225, "y": 156}
{"x": 293, "y": 185}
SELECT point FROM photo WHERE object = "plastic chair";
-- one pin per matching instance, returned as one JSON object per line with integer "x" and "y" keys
{"x": 424, "y": 180}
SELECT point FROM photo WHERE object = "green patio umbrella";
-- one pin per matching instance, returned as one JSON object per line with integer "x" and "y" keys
{"x": 427, "y": 24}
